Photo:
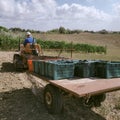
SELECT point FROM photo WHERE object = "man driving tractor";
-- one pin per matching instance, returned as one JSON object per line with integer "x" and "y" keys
{"x": 29, "y": 39}
{"x": 30, "y": 45}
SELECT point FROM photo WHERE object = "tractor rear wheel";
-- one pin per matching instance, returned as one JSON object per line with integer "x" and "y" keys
{"x": 53, "y": 99}
{"x": 17, "y": 61}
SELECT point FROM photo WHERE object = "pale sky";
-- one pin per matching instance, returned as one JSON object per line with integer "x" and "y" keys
{"x": 50, "y": 14}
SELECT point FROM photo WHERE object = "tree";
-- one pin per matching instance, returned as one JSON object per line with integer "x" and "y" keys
{"x": 103, "y": 31}
{"x": 62, "y": 30}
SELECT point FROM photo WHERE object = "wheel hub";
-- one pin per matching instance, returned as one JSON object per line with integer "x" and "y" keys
{"x": 48, "y": 98}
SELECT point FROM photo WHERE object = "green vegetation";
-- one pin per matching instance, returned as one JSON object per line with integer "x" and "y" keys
{"x": 90, "y": 42}
{"x": 60, "y": 30}
{"x": 77, "y": 47}
{"x": 3, "y": 29}
{"x": 9, "y": 42}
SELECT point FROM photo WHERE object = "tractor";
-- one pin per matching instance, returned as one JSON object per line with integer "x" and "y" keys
{"x": 29, "y": 51}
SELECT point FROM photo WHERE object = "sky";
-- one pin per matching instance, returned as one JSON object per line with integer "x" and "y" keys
{"x": 45, "y": 15}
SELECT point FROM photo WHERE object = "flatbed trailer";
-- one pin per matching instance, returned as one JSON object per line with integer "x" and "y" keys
{"x": 87, "y": 87}
{"x": 91, "y": 90}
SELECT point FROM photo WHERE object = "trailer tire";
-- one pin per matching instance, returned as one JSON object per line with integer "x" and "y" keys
{"x": 98, "y": 99}
{"x": 53, "y": 99}
{"x": 88, "y": 103}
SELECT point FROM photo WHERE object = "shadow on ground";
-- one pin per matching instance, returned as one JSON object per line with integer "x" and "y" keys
{"x": 9, "y": 67}
{"x": 23, "y": 105}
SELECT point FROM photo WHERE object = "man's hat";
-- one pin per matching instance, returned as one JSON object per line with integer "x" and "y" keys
{"x": 28, "y": 33}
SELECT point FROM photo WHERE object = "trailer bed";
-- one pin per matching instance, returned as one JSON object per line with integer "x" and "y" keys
{"x": 91, "y": 90}
{"x": 87, "y": 87}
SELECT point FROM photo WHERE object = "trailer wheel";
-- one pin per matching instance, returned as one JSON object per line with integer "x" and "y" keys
{"x": 53, "y": 99}
{"x": 94, "y": 100}
{"x": 88, "y": 102}
{"x": 98, "y": 99}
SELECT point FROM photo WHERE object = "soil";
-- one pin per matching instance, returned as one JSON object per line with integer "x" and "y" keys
{"x": 17, "y": 101}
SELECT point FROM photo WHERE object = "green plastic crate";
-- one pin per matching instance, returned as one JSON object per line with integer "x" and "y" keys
{"x": 36, "y": 66}
{"x": 60, "y": 70}
{"x": 106, "y": 69}
{"x": 39, "y": 67}
{"x": 46, "y": 67}
{"x": 85, "y": 69}
{"x": 42, "y": 68}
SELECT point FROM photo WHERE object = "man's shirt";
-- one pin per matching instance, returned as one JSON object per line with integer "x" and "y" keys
{"x": 29, "y": 40}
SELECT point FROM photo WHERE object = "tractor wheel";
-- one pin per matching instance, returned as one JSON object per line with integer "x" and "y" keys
{"x": 17, "y": 61}
{"x": 53, "y": 99}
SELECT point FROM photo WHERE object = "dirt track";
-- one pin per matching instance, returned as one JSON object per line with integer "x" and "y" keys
{"x": 17, "y": 102}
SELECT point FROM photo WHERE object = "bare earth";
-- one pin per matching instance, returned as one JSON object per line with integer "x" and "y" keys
{"x": 17, "y": 102}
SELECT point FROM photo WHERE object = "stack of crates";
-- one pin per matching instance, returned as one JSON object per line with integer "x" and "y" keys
{"x": 40, "y": 63}
{"x": 85, "y": 69}
{"x": 106, "y": 69}
{"x": 36, "y": 66}
{"x": 60, "y": 69}
{"x": 39, "y": 67}
{"x": 42, "y": 67}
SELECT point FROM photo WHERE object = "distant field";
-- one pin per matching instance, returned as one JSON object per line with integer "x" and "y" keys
{"x": 111, "y": 41}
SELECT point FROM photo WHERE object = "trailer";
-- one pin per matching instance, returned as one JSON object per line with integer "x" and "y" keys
{"x": 92, "y": 91}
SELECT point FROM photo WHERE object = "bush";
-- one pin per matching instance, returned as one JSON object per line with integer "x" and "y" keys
{"x": 3, "y": 29}
{"x": 7, "y": 42}
{"x": 62, "y": 30}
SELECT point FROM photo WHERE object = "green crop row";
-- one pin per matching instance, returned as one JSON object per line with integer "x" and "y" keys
{"x": 9, "y": 42}
{"x": 76, "y": 47}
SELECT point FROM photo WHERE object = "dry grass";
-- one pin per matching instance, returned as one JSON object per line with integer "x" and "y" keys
{"x": 110, "y": 108}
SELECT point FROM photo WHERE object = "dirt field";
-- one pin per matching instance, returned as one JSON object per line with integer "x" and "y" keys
{"x": 17, "y": 102}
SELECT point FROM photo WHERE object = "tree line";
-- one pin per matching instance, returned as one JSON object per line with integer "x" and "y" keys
{"x": 60, "y": 30}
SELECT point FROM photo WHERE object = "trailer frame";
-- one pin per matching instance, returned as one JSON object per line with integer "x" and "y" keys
{"x": 91, "y": 90}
